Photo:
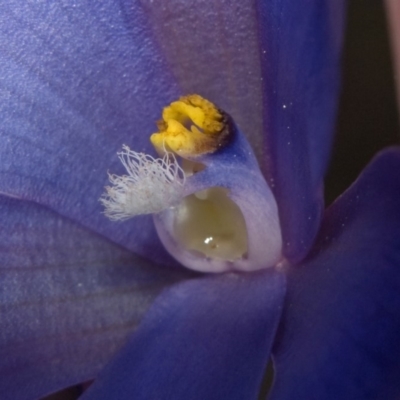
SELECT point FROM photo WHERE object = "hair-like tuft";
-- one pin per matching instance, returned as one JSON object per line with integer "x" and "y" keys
{"x": 152, "y": 185}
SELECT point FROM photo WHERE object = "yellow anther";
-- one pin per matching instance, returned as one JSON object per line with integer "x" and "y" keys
{"x": 189, "y": 127}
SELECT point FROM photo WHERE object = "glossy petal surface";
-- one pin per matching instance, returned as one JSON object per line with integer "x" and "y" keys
{"x": 68, "y": 300}
{"x": 301, "y": 45}
{"x": 78, "y": 80}
{"x": 339, "y": 338}
{"x": 203, "y": 339}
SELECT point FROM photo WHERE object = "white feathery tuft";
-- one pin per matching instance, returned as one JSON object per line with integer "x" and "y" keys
{"x": 152, "y": 185}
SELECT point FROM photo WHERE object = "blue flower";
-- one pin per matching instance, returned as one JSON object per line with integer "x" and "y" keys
{"x": 77, "y": 81}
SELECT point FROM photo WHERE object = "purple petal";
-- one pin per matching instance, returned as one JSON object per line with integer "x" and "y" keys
{"x": 68, "y": 300}
{"x": 339, "y": 337}
{"x": 203, "y": 339}
{"x": 78, "y": 80}
{"x": 300, "y": 61}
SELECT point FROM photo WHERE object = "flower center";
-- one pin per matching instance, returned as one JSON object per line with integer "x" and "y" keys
{"x": 214, "y": 212}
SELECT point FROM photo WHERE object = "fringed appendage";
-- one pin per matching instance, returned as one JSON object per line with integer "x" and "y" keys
{"x": 152, "y": 185}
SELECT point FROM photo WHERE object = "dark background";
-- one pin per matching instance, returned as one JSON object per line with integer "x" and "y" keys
{"x": 367, "y": 119}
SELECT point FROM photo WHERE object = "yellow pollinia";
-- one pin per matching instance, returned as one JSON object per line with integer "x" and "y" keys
{"x": 190, "y": 127}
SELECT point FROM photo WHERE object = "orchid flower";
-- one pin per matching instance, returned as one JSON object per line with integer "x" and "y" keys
{"x": 83, "y": 297}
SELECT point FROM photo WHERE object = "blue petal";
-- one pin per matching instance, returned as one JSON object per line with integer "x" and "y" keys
{"x": 339, "y": 338}
{"x": 68, "y": 300}
{"x": 77, "y": 81}
{"x": 300, "y": 58}
{"x": 203, "y": 339}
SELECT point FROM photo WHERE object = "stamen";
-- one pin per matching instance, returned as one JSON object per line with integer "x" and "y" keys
{"x": 191, "y": 126}
{"x": 151, "y": 186}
